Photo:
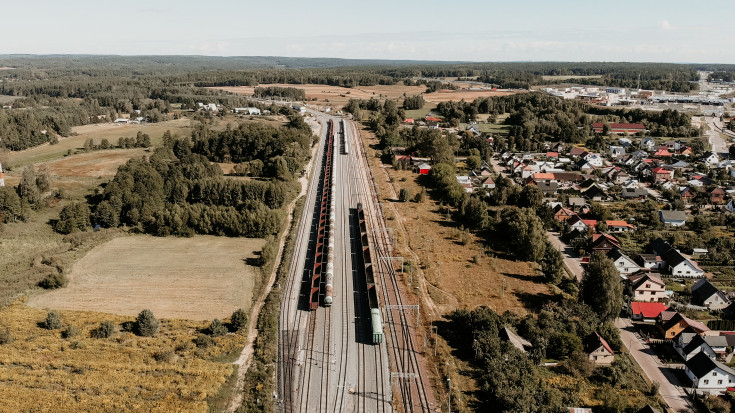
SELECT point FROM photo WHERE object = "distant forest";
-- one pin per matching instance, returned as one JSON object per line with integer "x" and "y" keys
{"x": 58, "y": 92}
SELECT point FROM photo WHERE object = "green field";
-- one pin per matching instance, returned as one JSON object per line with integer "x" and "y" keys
{"x": 419, "y": 113}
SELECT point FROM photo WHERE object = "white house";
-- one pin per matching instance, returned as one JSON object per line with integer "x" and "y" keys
{"x": 647, "y": 287}
{"x": 617, "y": 151}
{"x": 707, "y": 295}
{"x": 599, "y": 350}
{"x": 249, "y": 111}
{"x": 594, "y": 160}
{"x": 489, "y": 183}
{"x": 709, "y": 376}
{"x": 679, "y": 266}
{"x": 689, "y": 345}
{"x": 648, "y": 143}
{"x": 711, "y": 158}
{"x": 623, "y": 263}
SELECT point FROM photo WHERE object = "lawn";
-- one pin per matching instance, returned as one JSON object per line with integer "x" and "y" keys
{"x": 419, "y": 113}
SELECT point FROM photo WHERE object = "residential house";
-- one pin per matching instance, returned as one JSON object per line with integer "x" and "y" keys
{"x": 616, "y": 151}
{"x": 517, "y": 341}
{"x": 466, "y": 183}
{"x": 577, "y": 223}
{"x": 671, "y": 325}
{"x": 599, "y": 351}
{"x": 648, "y": 143}
{"x": 634, "y": 193}
{"x": 707, "y": 295}
{"x": 711, "y": 158}
{"x": 424, "y": 168}
{"x": 686, "y": 194}
{"x": 730, "y": 205}
{"x": 685, "y": 151}
{"x": 576, "y": 202}
{"x": 650, "y": 261}
{"x": 679, "y": 266}
{"x": 548, "y": 188}
{"x": 595, "y": 192}
{"x": 717, "y": 196}
{"x": 673, "y": 218}
{"x": 647, "y": 287}
{"x": 659, "y": 246}
{"x": 562, "y": 214}
{"x": 603, "y": 243}
{"x": 692, "y": 345}
{"x": 709, "y": 376}
{"x": 488, "y": 183}
{"x": 619, "y": 226}
{"x": 716, "y": 344}
{"x": 646, "y": 311}
{"x": 593, "y": 159}
{"x": 662, "y": 175}
{"x": 623, "y": 263}
{"x": 577, "y": 151}
{"x": 624, "y": 142}
{"x": 663, "y": 152}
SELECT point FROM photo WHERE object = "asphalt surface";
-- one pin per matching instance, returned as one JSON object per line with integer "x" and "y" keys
{"x": 327, "y": 360}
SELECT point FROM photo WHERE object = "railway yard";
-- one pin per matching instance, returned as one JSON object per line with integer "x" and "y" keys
{"x": 348, "y": 339}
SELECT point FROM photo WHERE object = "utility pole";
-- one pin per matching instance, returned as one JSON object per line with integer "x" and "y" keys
{"x": 449, "y": 385}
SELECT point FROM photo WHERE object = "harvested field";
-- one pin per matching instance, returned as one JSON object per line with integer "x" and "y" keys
{"x": 196, "y": 278}
{"x": 445, "y": 95}
{"x": 103, "y": 163}
{"x": 41, "y": 371}
{"x": 563, "y": 78}
{"x": 338, "y": 96}
{"x": 111, "y": 132}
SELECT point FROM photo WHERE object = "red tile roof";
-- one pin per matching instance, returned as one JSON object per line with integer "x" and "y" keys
{"x": 648, "y": 310}
{"x": 618, "y": 224}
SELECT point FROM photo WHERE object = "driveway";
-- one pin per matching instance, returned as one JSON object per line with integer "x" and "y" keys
{"x": 669, "y": 386}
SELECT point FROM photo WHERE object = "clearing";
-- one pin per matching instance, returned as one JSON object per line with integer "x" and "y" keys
{"x": 99, "y": 131}
{"x": 563, "y": 78}
{"x": 198, "y": 278}
{"x": 41, "y": 371}
{"x": 102, "y": 163}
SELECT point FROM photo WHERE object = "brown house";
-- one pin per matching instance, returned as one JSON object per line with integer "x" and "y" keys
{"x": 717, "y": 196}
{"x": 604, "y": 243}
{"x": 673, "y": 325}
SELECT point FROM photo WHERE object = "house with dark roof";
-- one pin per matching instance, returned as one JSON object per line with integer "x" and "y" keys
{"x": 634, "y": 193}
{"x": 709, "y": 376}
{"x": 692, "y": 345}
{"x": 623, "y": 263}
{"x": 707, "y": 295}
{"x": 680, "y": 266}
{"x": 599, "y": 351}
{"x": 603, "y": 243}
{"x": 594, "y": 192}
{"x": 716, "y": 345}
{"x": 648, "y": 409}
{"x": 673, "y": 218}
{"x": 659, "y": 246}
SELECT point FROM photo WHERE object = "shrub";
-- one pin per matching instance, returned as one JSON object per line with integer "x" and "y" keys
{"x": 163, "y": 356}
{"x": 73, "y": 217}
{"x": 5, "y": 336}
{"x": 105, "y": 330}
{"x": 146, "y": 324}
{"x": 203, "y": 341}
{"x": 404, "y": 195}
{"x": 238, "y": 320}
{"x": 69, "y": 332}
{"x": 53, "y": 281}
{"x": 216, "y": 328}
{"x": 52, "y": 321}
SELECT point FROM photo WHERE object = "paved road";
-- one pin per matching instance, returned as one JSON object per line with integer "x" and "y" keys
{"x": 571, "y": 259}
{"x": 716, "y": 139}
{"x": 669, "y": 386}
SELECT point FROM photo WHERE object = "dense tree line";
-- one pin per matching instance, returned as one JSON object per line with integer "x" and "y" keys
{"x": 413, "y": 102}
{"x": 185, "y": 194}
{"x": 280, "y": 152}
{"x": 290, "y": 93}
{"x": 723, "y": 76}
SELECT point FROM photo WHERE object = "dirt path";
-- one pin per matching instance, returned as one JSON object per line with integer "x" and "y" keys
{"x": 243, "y": 362}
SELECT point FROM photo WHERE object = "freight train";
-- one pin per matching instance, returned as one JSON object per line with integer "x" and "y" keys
{"x": 324, "y": 251}
{"x": 376, "y": 322}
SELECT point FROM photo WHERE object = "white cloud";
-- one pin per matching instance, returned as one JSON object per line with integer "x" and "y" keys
{"x": 665, "y": 25}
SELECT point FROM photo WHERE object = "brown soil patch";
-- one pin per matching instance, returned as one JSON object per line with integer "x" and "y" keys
{"x": 197, "y": 278}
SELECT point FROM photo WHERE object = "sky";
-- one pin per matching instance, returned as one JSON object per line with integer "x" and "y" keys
{"x": 522, "y": 30}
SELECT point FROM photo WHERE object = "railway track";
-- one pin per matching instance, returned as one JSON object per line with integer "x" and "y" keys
{"x": 403, "y": 355}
